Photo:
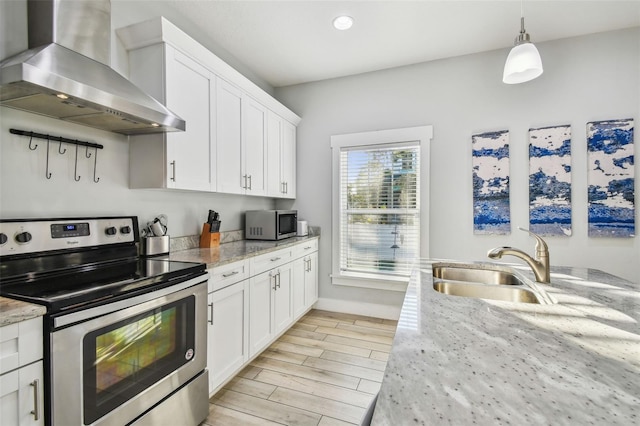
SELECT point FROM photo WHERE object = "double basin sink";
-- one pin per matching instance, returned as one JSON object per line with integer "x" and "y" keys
{"x": 486, "y": 281}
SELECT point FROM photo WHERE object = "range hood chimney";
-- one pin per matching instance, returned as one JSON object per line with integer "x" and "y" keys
{"x": 65, "y": 74}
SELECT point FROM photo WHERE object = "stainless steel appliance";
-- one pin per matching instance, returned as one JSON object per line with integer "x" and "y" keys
{"x": 65, "y": 74}
{"x": 125, "y": 337}
{"x": 270, "y": 224}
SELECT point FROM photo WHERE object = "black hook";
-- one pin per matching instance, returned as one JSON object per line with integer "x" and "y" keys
{"x": 75, "y": 169}
{"x": 60, "y": 151}
{"x": 30, "y": 140}
{"x": 95, "y": 164}
{"x": 87, "y": 153}
{"x": 47, "y": 174}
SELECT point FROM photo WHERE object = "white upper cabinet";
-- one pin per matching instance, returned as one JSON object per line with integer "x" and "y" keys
{"x": 241, "y": 142}
{"x": 229, "y": 137}
{"x": 281, "y": 154}
{"x": 225, "y": 145}
{"x": 288, "y": 160}
{"x": 179, "y": 160}
{"x": 254, "y": 155}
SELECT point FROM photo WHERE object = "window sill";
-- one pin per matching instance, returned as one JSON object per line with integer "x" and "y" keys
{"x": 371, "y": 281}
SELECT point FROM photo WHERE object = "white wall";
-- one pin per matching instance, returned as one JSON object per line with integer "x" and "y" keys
{"x": 587, "y": 78}
{"x": 24, "y": 190}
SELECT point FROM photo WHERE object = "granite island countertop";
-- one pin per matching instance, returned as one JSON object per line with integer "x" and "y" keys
{"x": 234, "y": 251}
{"x": 462, "y": 361}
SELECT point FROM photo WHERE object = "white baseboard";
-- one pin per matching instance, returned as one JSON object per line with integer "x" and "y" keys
{"x": 359, "y": 308}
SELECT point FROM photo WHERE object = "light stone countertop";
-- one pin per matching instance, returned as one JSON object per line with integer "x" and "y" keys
{"x": 234, "y": 251}
{"x": 463, "y": 361}
{"x": 12, "y": 311}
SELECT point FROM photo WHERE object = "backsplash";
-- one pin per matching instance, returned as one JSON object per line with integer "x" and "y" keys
{"x": 193, "y": 241}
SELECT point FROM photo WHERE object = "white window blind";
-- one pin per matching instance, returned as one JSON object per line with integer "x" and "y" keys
{"x": 379, "y": 208}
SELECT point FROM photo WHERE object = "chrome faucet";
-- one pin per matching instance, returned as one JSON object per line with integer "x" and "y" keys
{"x": 539, "y": 265}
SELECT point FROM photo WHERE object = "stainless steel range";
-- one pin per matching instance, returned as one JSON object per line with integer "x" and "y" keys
{"x": 125, "y": 337}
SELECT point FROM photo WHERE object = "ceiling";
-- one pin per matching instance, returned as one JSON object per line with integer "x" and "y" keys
{"x": 292, "y": 42}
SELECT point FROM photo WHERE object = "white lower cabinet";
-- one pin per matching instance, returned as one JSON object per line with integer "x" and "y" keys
{"x": 21, "y": 378}
{"x": 227, "y": 339}
{"x": 260, "y": 318}
{"x": 21, "y": 396}
{"x": 305, "y": 283}
{"x": 247, "y": 316}
{"x": 270, "y": 308}
{"x": 311, "y": 279}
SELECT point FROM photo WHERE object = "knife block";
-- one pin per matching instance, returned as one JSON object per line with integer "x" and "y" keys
{"x": 209, "y": 239}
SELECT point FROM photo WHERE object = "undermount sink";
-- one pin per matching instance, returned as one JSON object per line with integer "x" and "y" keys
{"x": 484, "y": 291}
{"x": 471, "y": 273}
{"x": 486, "y": 281}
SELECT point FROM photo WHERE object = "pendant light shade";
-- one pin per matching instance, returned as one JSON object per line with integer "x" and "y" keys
{"x": 523, "y": 63}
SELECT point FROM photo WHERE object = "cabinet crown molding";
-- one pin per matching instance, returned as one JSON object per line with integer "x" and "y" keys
{"x": 160, "y": 30}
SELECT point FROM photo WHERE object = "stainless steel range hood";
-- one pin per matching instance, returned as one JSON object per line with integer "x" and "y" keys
{"x": 65, "y": 74}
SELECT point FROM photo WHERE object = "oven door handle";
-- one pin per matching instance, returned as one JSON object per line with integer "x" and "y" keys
{"x": 108, "y": 308}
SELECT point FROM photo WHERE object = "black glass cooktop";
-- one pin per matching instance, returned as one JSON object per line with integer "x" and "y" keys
{"x": 62, "y": 284}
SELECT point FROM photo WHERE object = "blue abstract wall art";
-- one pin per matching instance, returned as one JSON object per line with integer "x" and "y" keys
{"x": 611, "y": 178}
{"x": 491, "y": 210}
{"x": 550, "y": 180}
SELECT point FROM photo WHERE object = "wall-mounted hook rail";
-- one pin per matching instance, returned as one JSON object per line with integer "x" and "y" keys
{"x": 62, "y": 140}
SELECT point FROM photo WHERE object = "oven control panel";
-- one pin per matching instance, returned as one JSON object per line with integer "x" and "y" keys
{"x": 31, "y": 236}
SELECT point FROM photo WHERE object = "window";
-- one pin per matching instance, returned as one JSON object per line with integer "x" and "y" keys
{"x": 377, "y": 193}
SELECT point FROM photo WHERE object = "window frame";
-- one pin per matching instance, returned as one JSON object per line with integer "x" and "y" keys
{"x": 420, "y": 135}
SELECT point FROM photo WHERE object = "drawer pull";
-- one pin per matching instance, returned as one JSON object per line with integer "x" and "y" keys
{"x": 36, "y": 391}
{"x": 275, "y": 259}
{"x": 307, "y": 248}
{"x": 230, "y": 275}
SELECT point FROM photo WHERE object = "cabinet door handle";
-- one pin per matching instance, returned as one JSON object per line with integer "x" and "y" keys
{"x": 230, "y": 275}
{"x": 173, "y": 170}
{"x": 286, "y": 187}
{"x": 278, "y": 279}
{"x": 244, "y": 185}
{"x": 210, "y": 313}
{"x": 272, "y": 275}
{"x": 36, "y": 407}
{"x": 249, "y": 183}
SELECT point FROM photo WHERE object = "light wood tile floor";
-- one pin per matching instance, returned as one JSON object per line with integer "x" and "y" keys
{"x": 323, "y": 371}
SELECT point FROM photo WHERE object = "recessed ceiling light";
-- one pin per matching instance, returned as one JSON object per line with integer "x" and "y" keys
{"x": 343, "y": 22}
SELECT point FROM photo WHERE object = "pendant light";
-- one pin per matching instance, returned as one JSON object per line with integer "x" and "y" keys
{"x": 523, "y": 63}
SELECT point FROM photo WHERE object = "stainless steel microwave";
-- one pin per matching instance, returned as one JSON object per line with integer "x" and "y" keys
{"x": 271, "y": 224}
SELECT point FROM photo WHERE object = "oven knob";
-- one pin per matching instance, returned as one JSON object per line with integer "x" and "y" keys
{"x": 3, "y": 238}
{"x": 23, "y": 237}
{"x": 111, "y": 230}
{"x": 125, "y": 230}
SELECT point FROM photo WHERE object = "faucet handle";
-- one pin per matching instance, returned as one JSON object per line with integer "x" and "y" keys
{"x": 541, "y": 246}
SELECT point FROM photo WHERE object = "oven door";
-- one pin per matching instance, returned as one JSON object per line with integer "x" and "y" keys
{"x": 112, "y": 368}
